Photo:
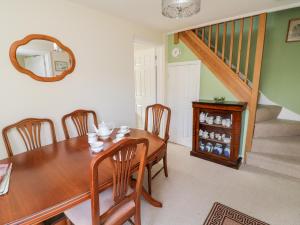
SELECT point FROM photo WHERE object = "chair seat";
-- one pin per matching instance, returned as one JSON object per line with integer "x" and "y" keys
{"x": 81, "y": 214}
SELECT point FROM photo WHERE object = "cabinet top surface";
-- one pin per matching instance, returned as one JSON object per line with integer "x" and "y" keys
{"x": 228, "y": 103}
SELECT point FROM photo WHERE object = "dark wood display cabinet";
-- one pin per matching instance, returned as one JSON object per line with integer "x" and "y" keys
{"x": 217, "y": 131}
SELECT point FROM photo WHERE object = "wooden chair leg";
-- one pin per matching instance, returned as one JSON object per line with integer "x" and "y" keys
{"x": 137, "y": 216}
{"x": 165, "y": 165}
{"x": 149, "y": 168}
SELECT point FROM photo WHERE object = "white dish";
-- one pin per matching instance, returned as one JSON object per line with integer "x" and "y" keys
{"x": 91, "y": 135}
{"x": 96, "y": 144}
{"x": 120, "y": 135}
{"x": 104, "y": 137}
{"x": 117, "y": 140}
{"x": 96, "y": 150}
{"x": 124, "y": 131}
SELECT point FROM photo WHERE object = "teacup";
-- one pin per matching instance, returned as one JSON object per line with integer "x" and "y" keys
{"x": 228, "y": 123}
{"x": 210, "y": 120}
{"x": 200, "y": 133}
{"x": 212, "y": 135}
{"x": 224, "y": 122}
{"x": 124, "y": 128}
{"x": 203, "y": 117}
{"x": 205, "y": 134}
{"x": 92, "y": 137}
{"x": 218, "y": 120}
{"x": 227, "y": 140}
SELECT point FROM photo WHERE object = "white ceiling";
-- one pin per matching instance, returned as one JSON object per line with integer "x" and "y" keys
{"x": 148, "y": 12}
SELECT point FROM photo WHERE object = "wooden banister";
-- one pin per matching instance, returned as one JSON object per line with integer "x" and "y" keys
{"x": 223, "y": 65}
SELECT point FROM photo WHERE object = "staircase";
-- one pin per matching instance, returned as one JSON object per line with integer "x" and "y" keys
{"x": 232, "y": 50}
{"x": 276, "y": 143}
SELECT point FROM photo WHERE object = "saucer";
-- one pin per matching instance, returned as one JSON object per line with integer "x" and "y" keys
{"x": 98, "y": 149}
{"x": 97, "y": 146}
{"x": 124, "y": 131}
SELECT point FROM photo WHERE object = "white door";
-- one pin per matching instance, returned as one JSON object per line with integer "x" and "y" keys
{"x": 183, "y": 88}
{"x": 145, "y": 82}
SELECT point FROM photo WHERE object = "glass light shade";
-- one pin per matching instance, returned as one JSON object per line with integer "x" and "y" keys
{"x": 180, "y": 8}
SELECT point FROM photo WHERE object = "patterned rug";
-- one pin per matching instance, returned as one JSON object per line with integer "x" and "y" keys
{"x": 224, "y": 215}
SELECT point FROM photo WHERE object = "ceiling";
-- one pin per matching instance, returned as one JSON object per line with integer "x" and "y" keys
{"x": 148, "y": 12}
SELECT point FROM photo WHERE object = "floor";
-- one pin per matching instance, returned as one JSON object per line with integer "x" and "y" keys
{"x": 194, "y": 185}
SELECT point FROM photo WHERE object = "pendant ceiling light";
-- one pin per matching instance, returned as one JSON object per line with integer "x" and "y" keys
{"x": 180, "y": 8}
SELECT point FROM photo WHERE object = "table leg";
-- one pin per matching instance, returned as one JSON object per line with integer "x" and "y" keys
{"x": 146, "y": 195}
{"x": 150, "y": 199}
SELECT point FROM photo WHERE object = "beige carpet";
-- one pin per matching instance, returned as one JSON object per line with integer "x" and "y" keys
{"x": 194, "y": 185}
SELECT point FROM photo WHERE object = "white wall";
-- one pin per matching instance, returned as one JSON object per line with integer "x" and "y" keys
{"x": 103, "y": 78}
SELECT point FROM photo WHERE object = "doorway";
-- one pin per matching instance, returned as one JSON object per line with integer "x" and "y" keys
{"x": 148, "y": 76}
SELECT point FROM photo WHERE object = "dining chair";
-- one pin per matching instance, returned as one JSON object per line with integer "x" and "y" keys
{"x": 158, "y": 111}
{"x": 80, "y": 120}
{"x": 30, "y": 132}
{"x": 117, "y": 204}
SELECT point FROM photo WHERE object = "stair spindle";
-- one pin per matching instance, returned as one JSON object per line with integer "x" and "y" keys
{"x": 224, "y": 40}
{"x": 209, "y": 36}
{"x": 231, "y": 43}
{"x": 203, "y": 32}
{"x": 240, "y": 46}
{"x": 217, "y": 39}
{"x": 248, "y": 48}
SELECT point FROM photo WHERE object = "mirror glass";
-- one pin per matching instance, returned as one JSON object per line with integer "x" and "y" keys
{"x": 43, "y": 58}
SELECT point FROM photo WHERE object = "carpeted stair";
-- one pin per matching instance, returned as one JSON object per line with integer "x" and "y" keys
{"x": 276, "y": 143}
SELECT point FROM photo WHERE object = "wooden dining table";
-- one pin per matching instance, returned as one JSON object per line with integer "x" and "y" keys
{"x": 47, "y": 181}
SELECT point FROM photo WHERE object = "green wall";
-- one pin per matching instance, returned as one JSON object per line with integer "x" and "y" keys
{"x": 280, "y": 77}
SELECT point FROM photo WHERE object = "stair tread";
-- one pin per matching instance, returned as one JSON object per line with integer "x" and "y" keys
{"x": 280, "y": 122}
{"x": 286, "y": 165}
{"x": 294, "y": 160}
{"x": 267, "y": 112}
{"x": 281, "y": 140}
{"x": 289, "y": 145}
{"x": 277, "y": 127}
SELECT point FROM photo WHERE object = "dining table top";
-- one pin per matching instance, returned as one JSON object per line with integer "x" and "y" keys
{"x": 46, "y": 181}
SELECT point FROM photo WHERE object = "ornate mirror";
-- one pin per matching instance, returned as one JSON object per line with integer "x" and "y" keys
{"x": 42, "y": 57}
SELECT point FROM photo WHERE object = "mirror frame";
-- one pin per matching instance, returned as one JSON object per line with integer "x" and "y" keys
{"x": 27, "y": 39}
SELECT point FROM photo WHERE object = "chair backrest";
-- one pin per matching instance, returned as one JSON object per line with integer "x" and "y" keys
{"x": 124, "y": 157}
{"x": 158, "y": 111}
{"x": 30, "y": 132}
{"x": 80, "y": 121}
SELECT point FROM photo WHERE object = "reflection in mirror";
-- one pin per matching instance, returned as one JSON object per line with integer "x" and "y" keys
{"x": 43, "y": 58}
